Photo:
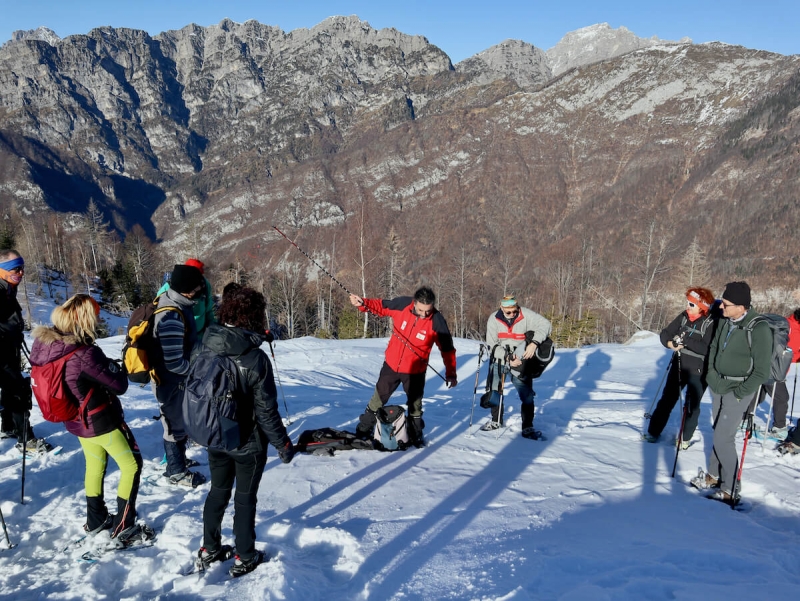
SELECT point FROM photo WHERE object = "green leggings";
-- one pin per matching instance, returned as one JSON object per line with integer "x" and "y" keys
{"x": 122, "y": 447}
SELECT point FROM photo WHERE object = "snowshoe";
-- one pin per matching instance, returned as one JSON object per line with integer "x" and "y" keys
{"x": 136, "y": 536}
{"x": 704, "y": 481}
{"x": 241, "y": 567}
{"x": 205, "y": 558}
{"x": 532, "y": 434}
{"x": 491, "y": 425}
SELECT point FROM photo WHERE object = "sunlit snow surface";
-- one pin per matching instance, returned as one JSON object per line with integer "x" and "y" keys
{"x": 591, "y": 513}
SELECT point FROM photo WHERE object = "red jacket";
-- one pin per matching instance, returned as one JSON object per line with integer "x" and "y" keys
{"x": 412, "y": 336}
{"x": 794, "y": 338}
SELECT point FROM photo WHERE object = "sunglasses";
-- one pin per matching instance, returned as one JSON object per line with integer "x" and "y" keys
{"x": 16, "y": 270}
{"x": 690, "y": 304}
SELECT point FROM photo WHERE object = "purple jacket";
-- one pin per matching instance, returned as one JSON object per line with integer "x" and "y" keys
{"x": 87, "y": 369}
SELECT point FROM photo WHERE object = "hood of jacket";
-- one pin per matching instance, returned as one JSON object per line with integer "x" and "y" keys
{"x": 50, "y": 345}
{"x": 227, "y": 340}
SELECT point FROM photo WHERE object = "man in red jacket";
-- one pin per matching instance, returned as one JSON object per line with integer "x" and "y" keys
{"x": 416, "y": 327}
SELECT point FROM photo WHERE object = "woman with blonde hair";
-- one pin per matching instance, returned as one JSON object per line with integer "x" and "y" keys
{"x": 100, "y": 425}
{"x": 689, "y": 335}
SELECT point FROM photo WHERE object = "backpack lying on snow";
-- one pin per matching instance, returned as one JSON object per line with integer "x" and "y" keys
{"x": 209, "y": 401}
{"x": 142, "y": 351}
{"x": 390, "y": 432}
{"x": 326, "y": 441}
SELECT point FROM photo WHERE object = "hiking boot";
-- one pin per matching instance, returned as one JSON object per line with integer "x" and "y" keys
{"x": 134, "y": 536}
{"x": 205, "y": 557}
{"x": 779, "y": 433}
{"x": 704, "y": 481}
{"x": 531, "y": 434}
{"x": 491, "y": 425}
{"x": 241, "y": 567}
{"x": 415, "y": 436}
{"x": 650, "y": 438}
{"x": 35, "y": 446}
{"x": 685, "y": 444}
{"x": 188, "y": 479}
{"x": 12, "y": 433}
{"x": 788, "y": 448}
{"x": 104, "y": 526}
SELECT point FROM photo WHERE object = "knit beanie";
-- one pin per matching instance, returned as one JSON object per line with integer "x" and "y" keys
{"x": 185, "y": 278}
{"x": 737, "y": 293}
{"x": 508, "y": 302}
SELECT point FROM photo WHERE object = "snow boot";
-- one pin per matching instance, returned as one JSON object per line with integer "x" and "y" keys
{"x": 415, "y": 427}
{"x": 527, "y": 410}
{"x": 532, "y": 434}
{"x": 242, "y": 567}
{"x": 496, "y": 421}
{"x": 35, "y": 446}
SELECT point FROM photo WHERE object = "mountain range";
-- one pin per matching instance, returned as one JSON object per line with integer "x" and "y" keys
{"x": 339, "y": 134}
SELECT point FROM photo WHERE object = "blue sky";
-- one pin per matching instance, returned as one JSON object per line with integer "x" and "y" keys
{"x": 461, "y": 28}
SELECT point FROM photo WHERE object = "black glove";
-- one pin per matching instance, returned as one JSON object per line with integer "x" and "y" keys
{"x": 287, "y": 453}
{"x": 268, "y": 337}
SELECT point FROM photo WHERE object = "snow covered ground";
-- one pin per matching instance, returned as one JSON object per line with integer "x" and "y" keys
{"x": 591, "y": 513}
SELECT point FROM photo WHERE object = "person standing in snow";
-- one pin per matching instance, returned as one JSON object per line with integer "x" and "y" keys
{"x": 17, "y": 398}
{"x": 176, "y": 333}
{"x": 689, "y": 335}
{"x": 101, "y": 427}
{"x": 736, "y": 370}
{"x": 203, "y": 309}
{"x": 416, "y": 327}
{"x": 243, "y": 314}
{"x": 513, "y": 332}
{"x": 780, "y": 400}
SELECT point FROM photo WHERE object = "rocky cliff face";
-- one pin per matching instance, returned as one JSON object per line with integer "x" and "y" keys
{"x": 208, "y": 136}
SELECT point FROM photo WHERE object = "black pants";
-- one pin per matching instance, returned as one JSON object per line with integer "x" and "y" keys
{"x": 695, "y": 385}
{"x": 246, "y": 468}
{"x": 780, "y": 402}
{"x": 17, "y": 398}
{"x": 388, "y": 381}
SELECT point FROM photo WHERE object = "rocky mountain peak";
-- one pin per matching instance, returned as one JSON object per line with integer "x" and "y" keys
{"x": 43, "y": 34}
{"x": 596, "y": 43}
{"x": 524, "y": 63}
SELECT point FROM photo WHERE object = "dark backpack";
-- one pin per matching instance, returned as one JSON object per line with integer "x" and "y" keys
{"x": 535, "y": 366}
{"x": 210, "y": 410}
{"x": 781, "y": 354}
{"x": 326, "y": 441}
{"x": 50, "y": 390}
{"x": 142, "y": 352}
{"x": 390, "y": 432}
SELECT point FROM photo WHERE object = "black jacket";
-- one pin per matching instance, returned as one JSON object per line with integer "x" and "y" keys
{"x": 11, "y": 326}
{"x": 259, "y": 419}
{"x": 697, "y": 337}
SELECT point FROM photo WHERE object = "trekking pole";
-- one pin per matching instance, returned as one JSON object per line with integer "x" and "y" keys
{"x": 277, "y": 373}
{"x": 502, "y": 390}
{"x": 649, "y": 413}
{"x": 737, "y": 482}
{"x": 402, "y": 338}
{"x": 25, "y": 426}
{"x": 683, "y": 417}
{"x": 794, "y": 389}
{"x": 475, "y": 390}
{"x": 5, "y": 530}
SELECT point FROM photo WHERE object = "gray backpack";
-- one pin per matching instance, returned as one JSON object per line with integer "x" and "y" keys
{"x": 390, "y": 429}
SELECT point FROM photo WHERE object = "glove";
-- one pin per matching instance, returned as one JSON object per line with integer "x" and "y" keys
{"x": 451, "y": 381}
{"x": 287, "y": 453}
{"x": 269, "y": 337}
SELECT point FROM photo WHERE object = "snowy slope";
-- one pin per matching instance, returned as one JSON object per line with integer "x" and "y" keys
{"x": 589, "y": 514}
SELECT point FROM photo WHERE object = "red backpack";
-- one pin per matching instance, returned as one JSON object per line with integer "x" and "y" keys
{"x": 51, "y": 394}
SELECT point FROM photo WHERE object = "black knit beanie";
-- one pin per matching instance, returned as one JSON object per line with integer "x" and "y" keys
{"x": 737, "y": 293}
{"x": 185, "y": 278}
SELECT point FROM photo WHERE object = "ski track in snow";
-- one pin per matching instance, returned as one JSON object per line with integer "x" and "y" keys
{"x": 590, "y": 513}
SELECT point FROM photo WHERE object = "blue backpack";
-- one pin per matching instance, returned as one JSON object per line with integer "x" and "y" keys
{"x": 210, "y": 411}
{"x": 390, "y": 429}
